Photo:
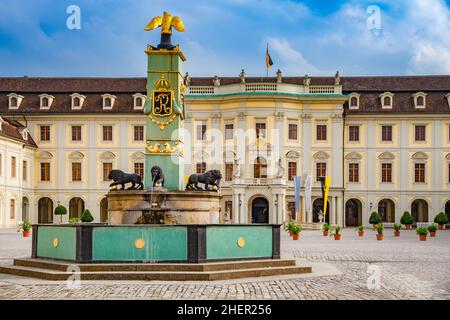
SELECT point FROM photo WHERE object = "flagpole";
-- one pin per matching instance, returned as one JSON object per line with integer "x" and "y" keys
{"x": 267, "y": 69}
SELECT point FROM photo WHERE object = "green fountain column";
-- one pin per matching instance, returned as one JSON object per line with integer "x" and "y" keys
{"x": 165, "y": 112}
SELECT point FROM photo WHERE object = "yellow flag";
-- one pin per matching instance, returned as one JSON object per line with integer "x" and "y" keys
{"x": 325, "y": 200}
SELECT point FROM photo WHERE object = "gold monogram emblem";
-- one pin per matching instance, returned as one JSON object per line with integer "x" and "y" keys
{"x": 162, "y": 103}
{"x": 55, "y": 242}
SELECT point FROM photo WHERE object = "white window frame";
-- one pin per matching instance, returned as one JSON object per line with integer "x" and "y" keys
{"x": 19, "y": 99}
{"x": 416, "y": 96}
{"x": 354, "y": 95}
{"x": 137, "y": 96}
{"x": 108, "y": 96}
{"x": 79, "y": 96}
{"x": 41, "y": 100}
{"x": 384, "y": 95}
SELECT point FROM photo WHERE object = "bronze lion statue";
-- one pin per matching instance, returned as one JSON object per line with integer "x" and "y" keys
{"x": 157, "y": 176}
{"x": 210, "y": 178}
{"x": 121, "y": 178}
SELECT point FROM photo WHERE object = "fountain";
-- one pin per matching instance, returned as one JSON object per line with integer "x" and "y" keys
{"x": 167, "y": 220}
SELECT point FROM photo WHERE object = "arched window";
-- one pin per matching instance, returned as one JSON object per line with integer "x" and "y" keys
{"x": 107, "y": 102}
{"x": 76, "y": 102}
{"x": 260, "y": 168}
{"x": 387, "y": 102}
{"x": 13, "y": 102}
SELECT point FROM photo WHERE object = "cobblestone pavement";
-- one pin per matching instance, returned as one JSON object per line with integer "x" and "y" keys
{"x": 410, "y": 269}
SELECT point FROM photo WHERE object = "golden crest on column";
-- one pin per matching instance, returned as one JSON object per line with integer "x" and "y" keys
{"x": 162, "y": 98}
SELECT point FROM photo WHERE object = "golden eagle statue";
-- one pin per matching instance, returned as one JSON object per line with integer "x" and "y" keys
{"x": 166, "y": 22}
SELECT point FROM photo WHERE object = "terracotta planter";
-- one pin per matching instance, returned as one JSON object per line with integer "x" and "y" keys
{"x": 361, "y": 233}
{"x": 379, "y": 237}
{"x": 325, "y": 233}
{"x": 423, "y": 237}
{"x": 290, "y": 233}
{"x": 295, "y": 236}
{"x": 397, "y": 233}
{"x": 408, "y": 226}
{"x": 440, "y": 227}
{"x": 433, "y": 234}
{"x": 26, "y": 233}
{"x": 337, "y": 236}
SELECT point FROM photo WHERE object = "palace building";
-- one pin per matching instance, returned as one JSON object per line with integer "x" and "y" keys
{"x": 384, "y": 141}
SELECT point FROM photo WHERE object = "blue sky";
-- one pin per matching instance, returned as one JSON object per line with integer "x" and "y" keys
{"x": 315, "y": 37}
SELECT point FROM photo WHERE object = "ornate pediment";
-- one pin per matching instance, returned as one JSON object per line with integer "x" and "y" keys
{"x": 76, "y": 155}
{"x": 353, "y": 156}
{"x": 260, "y": 144}
{"x": 386, "y": 156}
{"x": 44, "y": 155}
{"x": 419, "y": 156}
{"x": 107, "y": 155}
{"x": 293, "y": 154}
{"x": 228, "y": 156}
{"x": 138, "y": 155}
{"x": 321, "y": 155}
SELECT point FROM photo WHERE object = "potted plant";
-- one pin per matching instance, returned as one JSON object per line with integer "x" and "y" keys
{"x": 407, "y": 219}
{"x": 74, "y": 220}
{"x": 87, "y": 216}
{"x": 375, "y": 219}
{"x": 441, "y": 219}
{"x": 422, "y": 232}
{"x": 60, "y": 210}
{"x": 325, "y": 229}
{"x": 288, "y": 226}
{"x": 296, "y": 229}
{"x": 25, "y": 226}
{"x": 432, "y": 230}
{"x": 360, "y": 230}
{"x": 336, "y": 233}
{"x": 397, "y": 227}
{"x": 380, "y": 231}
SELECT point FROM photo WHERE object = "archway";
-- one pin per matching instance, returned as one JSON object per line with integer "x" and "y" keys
{"x": 386, "y": 210}
{"x": 447, "y": 210}
{"x": 104, "y": 210}
{"x": 25, "y": 209}
{"x": 317, "y": 208}
{"x": 260, "y": 210}
{"x": 45, "y": 210}
{"x": 76, "y": 207}
{"x": 419, "y": 210}
{"x": 353, "y": 213}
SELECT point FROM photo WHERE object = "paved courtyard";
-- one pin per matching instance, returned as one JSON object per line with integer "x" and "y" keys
{"x": 409, "y": 269}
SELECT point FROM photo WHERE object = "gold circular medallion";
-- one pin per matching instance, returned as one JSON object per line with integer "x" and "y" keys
{"x": 55, "y": 242}
{"x": 241, "y": 242}
{"x": 139, "y": 243}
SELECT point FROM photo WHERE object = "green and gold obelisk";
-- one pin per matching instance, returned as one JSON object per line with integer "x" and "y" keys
{"x": 164, "y": 107}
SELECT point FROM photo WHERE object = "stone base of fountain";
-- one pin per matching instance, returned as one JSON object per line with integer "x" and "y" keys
{"x": 160, "y": 206}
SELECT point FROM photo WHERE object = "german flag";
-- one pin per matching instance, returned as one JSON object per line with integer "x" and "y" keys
{"x": 269, "y": 61}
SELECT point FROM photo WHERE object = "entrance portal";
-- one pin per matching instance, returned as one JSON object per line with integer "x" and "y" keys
{"x": 260, "y": 210}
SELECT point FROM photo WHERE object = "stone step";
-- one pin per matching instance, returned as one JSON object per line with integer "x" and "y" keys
{"x": 172, "y": 267}
{"x": 155, "y": 275}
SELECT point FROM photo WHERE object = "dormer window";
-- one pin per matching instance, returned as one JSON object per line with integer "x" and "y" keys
{"x": 46, "y": 101}
{"x": 139, "y": 101}
{"x": 108, "y": 101}
{"x": 420, "y": 100}
{"x": 77, "y": 101}
{"x": 14, "y": 100}
{"x": 387, "y": 100}
{"x": 24, "y": 133}
{"x": 354, "y": 101}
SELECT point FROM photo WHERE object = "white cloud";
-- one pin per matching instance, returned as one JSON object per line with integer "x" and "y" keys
{"x": 291, "y": 59}
{"x": 430, "y": 37}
